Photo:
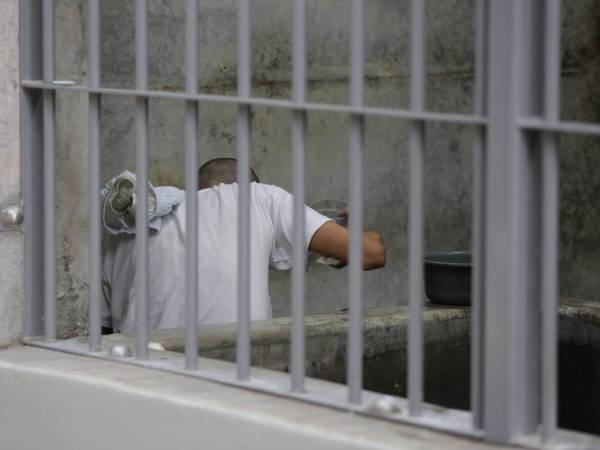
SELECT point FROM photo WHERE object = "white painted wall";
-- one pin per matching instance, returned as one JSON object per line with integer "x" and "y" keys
{"x": 11, "y": 242}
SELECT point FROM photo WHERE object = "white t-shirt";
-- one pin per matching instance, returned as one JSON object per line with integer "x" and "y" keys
{"x": 271, "y": 219}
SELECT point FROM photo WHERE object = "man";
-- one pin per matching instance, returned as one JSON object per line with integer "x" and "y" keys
{"x": 271, "y": 220}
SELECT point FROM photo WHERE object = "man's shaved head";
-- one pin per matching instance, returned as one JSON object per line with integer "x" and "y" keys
{"x": 220, "y": 170}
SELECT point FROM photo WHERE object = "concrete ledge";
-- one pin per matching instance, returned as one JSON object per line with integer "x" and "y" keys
{"x": 383, "y": 329}
{"x": 70, "y": 402}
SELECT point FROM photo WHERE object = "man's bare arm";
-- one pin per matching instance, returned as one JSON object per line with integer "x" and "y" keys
{"x": 332, "y": 240}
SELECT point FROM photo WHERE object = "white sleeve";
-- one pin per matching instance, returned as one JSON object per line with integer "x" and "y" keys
{"x": 282, "y": 216}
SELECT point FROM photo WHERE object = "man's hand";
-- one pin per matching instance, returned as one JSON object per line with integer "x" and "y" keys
{"x": 332, "y": 240}
{"x": 122, "y": 196}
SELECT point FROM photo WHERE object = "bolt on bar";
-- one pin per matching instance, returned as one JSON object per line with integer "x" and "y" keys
{"x": 478, "y": 218}
{"x": 550, "y": 221}
{"x": 49, "y": 175}
{"x": 94, "y": 287}
{"x": 243, "y": 150}
{"x": 141, "y": 164}
{"x": 191, "y": 187}
{"x": 417, "y": 145}
{"x": 297, "y": 364}
{"x": 355, "y": 221}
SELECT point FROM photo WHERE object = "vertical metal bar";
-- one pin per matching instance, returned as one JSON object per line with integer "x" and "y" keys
{"x": 49, "y": 177}
{"x": 478, "y": 218}
{"x": 297, "y": 364}
{"x": 191, "y": 187}
{"x": 512, "y": 221}
{"x": 32, "y": 182}
{"x": 141, "y": 165}
{"x": 355, "y": 341}
{"x": 243, "y": 150}
{"x": 417, "y": 146}
{"x": 500, "y": 362}
{"x": 94, "y": 285}
{"x": 550, "y": 194}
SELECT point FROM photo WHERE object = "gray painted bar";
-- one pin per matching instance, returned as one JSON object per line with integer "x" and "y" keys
{"x": 243, "y": 150}
{"x": 415, "y": 233}
{"x": 355, "y": 220}
{"x": 550, "y": 208}
{"x": 95, "y": 257}
{"x": 297, "y": 367}
{"x": 191, "y": 187}
{"x": 141, "y": 165}
{"x": 49, "y": 176}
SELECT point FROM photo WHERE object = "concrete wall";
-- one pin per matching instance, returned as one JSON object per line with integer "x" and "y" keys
{"x": 449, "y": 150}
{"x": 11, "y": 241}
{"x": 61, "y": 401}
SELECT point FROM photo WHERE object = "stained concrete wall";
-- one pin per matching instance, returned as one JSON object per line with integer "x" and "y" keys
{"x": 11, "y": 241}
{"x": 449, "y": 147}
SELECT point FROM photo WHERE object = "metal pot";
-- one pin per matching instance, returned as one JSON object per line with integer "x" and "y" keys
{"x": 448, "y": 278}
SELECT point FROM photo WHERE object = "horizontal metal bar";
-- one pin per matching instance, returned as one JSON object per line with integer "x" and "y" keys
{"x": 318, "y": 392}
{"x": 428, "y": 116}
{"x": 566, "y": 127}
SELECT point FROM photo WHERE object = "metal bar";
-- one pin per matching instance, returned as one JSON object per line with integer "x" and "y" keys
{"x": 48, "y": 40}
{"x": 322, "y": 393}
{"x": 191, "y": 187}
{"x": 512, "y": 221}
{"x": 49, "y": 177}
{"x": 500, "y": 363}
{"x": 565, "y": 127}
{"x": 355, "y": 222}
{"x": 417, "y": 146}
{"x": 464, "y": 119}
{"x": 32, "y": 183}
{"x": 552, "y": 62}
{"x": 477, "y": 304}
{"x": 549, "y": 287}
{"x": 297, "y": 362}
{"x": 549, "y": 356}
{"x": 94, "y": 285}
{"x": 243, "y": 150}
{"x": 141, "y": 165}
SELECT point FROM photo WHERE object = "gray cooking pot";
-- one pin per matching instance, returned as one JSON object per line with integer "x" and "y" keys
{"x": 448, "y": 278}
